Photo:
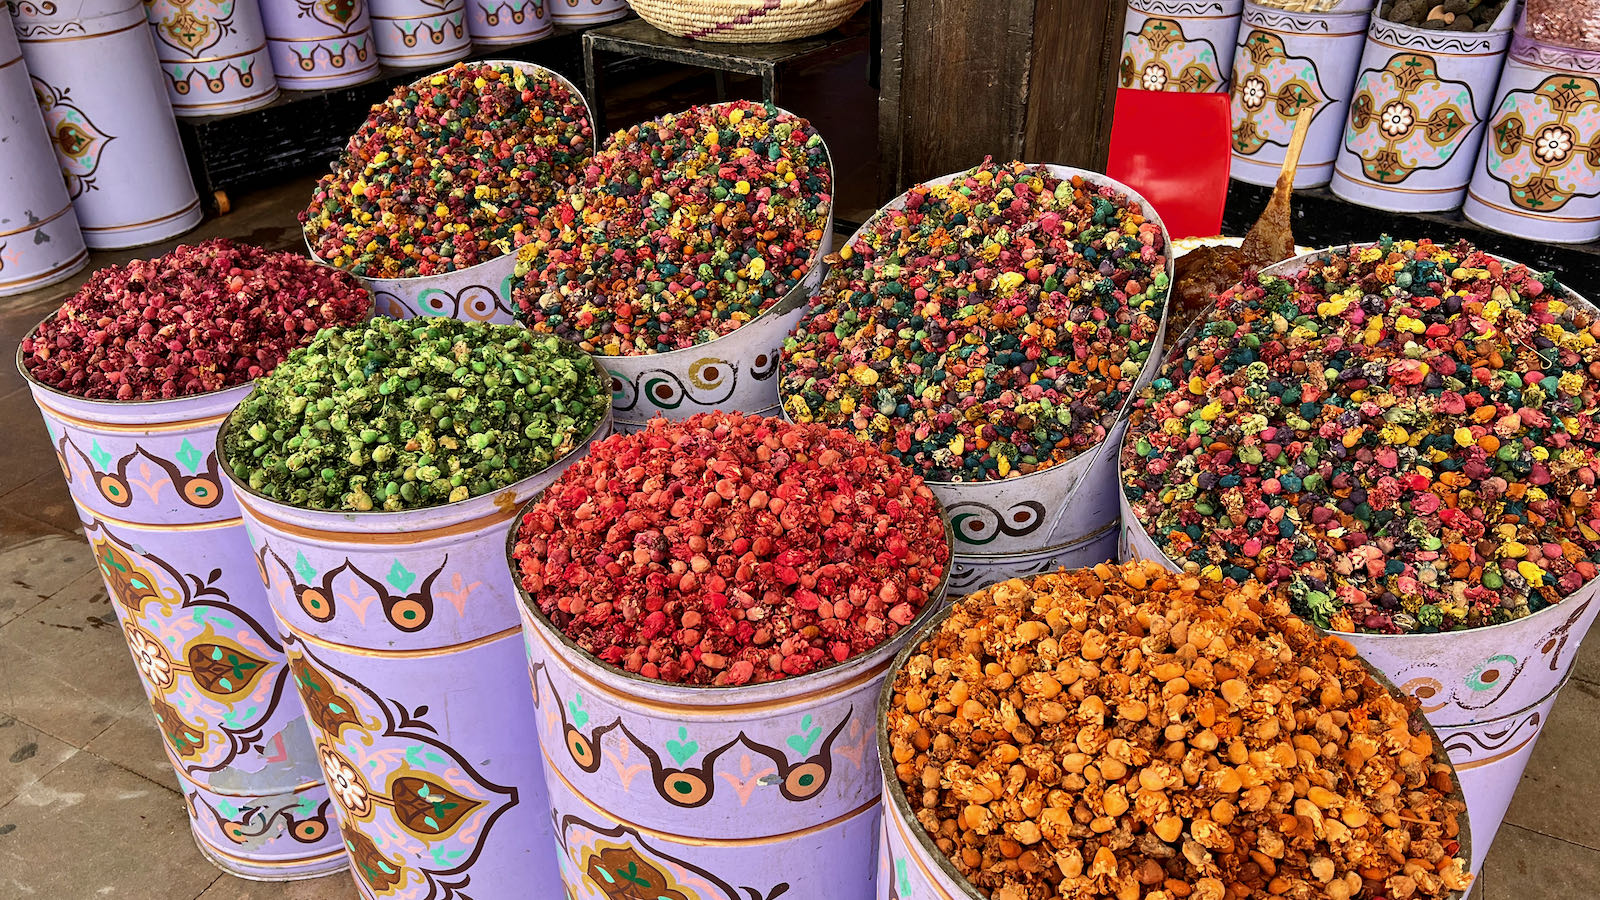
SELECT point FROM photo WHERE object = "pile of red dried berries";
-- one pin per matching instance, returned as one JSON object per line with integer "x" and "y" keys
{"x": 1126, "y": 732}
{"x": 444, "y": 174}
{"x": 731, "y": 549}
{"x": 683, "y": 229}
{"x": 201, "y": 318}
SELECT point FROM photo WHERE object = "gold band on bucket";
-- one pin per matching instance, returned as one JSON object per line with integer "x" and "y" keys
{"x": 419, "y": 653}
{"x": 379, "y": 537}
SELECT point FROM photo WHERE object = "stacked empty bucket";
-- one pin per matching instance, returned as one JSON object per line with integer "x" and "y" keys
{"x": 319, "y": 44}
{"x": 40, "y": 243}
{"x": 105, "y": 103}
{"x": 989, "y": 329}
{"x": 494, "y": 23}
{"x": 1179, "y": 45}
{"x": 215, "y": 57}
{"x": 411, "y": 34}
{"x": 133, "y": 419}
{"x": 587, "y": 12}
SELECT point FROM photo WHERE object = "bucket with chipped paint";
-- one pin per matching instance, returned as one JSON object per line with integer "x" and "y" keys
{"x": 319, "y": 44}
{"x": 165, "y": 530}
{"x": 213, "y": 54}
{"x": 755, "y": 791}
{"x": 410, "y": 34}
{"x": 588, "y": 12}
{"x": 737, "y": 372}
{"x": 910, "y": 865}
{"x": 403, "y": 637}
{"x": 1286, "y": 61}
{"x": 1417, "y": 115}
{"x": 1536, "y": 176}
{"x": 1179, "y": 45}
{"x": 1475, "y": 686}
{"x": 96, "y": 78}
{"x": 493, "y": 23}
{"x": 1065, "y": 515}
{"x": 480, "y": 293}
{"x": 40, "y": 243}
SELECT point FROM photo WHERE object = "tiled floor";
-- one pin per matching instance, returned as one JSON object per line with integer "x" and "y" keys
{"x": 89, "y": 806}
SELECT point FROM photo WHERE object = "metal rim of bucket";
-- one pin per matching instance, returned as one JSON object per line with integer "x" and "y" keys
{"x": 790, "y": 690}
{"x": 423, "y": 282}
{"x": 1147, "y": 372}
{"x": 1292, "y": 266}
{"x": 396, "y": 520}
{"x": 153, "y": 405}
{"x": 894, "y": 792}
{"x": 795, "y": 297}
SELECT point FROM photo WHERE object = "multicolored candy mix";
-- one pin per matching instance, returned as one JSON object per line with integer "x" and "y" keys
{"x": 1403, "y": 434}
{"x": 731, "y": 549}
{"x": 683, "y": 229}
{"x": 202, "y": 318}
{"x": 992, "y": 327}
{"x": 446, "y": 173}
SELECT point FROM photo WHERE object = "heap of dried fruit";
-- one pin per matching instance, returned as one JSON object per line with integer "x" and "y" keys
{"x": 1127, "y": 732}
{"x": 202, "y": 318}
{"x": 731, "y": 549}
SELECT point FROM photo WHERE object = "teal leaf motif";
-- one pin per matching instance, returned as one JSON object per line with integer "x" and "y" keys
{"x": 401, "y": 577}
{"x": 302, "y": 567}
{"x": 189, "y": 457}
{"x": 801, "y": 743}
{"x": 683, "y": 749}
{"x": 99, "y": 455}
{"x": 575, "y": 709}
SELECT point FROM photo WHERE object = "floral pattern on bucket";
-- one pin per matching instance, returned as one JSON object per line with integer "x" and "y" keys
{"x": 414, "y": 812}
{"x": 1405, "y": 117}
{"x": 1270, "y": 87}
{"x": 1544, "y": 144}
{"x": 619, "y": 863}
{"x": 210, "y": 671}
{"x": 1159, "y": 57}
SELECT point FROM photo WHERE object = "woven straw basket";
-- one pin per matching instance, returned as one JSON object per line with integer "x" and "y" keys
{"x": 746, "y": 21}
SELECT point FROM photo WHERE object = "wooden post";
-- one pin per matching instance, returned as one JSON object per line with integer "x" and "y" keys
{"x": 1014, "y": 79}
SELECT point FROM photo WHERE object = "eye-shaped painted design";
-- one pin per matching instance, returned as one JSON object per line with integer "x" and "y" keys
{"x": 79, "y": 143}
{"x": 319, "y": 598}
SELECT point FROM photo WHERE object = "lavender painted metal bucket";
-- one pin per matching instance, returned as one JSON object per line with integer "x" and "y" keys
{"x": 94, "y": 70}
{"x": 411, "y": 34}
{"x": 1179, "y": 45}
{"x": 758, "y": 791}
{"x": 588, "y": 12}
{"x": 166, "y": 533}
{"x": 1416, "y": 122}
{"x": 40, "y": 243}
{"x": 403, "y": 636}
{"x": 493, "y": 23}
{"x": 1287, "y": 61}
{"x": 910, "y": 866}
{"x": 1065, "y": 515}
{"x": 1537, "y": 176}
{"x": 319, "y": 44}
{"x": 480, "y": 293}
{"x": 214, "y": 54}
{"x": 1488, "y": 691}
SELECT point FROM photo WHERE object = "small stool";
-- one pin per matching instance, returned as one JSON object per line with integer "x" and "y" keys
{"x": 638, "y": 38}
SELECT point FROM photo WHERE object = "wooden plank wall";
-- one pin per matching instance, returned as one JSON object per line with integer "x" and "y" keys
{"x": 1015, "y": 79}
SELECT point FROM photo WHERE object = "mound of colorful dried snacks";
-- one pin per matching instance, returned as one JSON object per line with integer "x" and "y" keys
{"x": 446, "y": 173}
{"x": 201, "y": 318}
{"x": 730, "y": 549}
{"x": 1127, "y": 732}
{"x": 683, "y": 229}
{"x": 1403, "y": 434}
{"x": 409, "y": 414}
{"x": 992, "y": 327}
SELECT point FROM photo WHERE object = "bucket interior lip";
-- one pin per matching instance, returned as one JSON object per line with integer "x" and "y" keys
{"x": 894, "y": 792}
{"x": 397, "y": 517}
{"x": 1152, "y": 363}
{"x": 712, "y": 694}
{"x": 1288, "y": 267}
{"x": 415, "y": 281}
{"x": 796, "y": 296}
{"x": 22, "y": 367}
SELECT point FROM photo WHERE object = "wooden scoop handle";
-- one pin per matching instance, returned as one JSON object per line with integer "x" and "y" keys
{"x": 1297, "y": 142}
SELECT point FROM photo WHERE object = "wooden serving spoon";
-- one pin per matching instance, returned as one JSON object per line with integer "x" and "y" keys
{"x": 1271, "y": 238}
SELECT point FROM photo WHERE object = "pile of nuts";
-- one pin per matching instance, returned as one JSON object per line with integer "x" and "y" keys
{"x": 1128, "y": 732}
{"x": 1449, "y": 15}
